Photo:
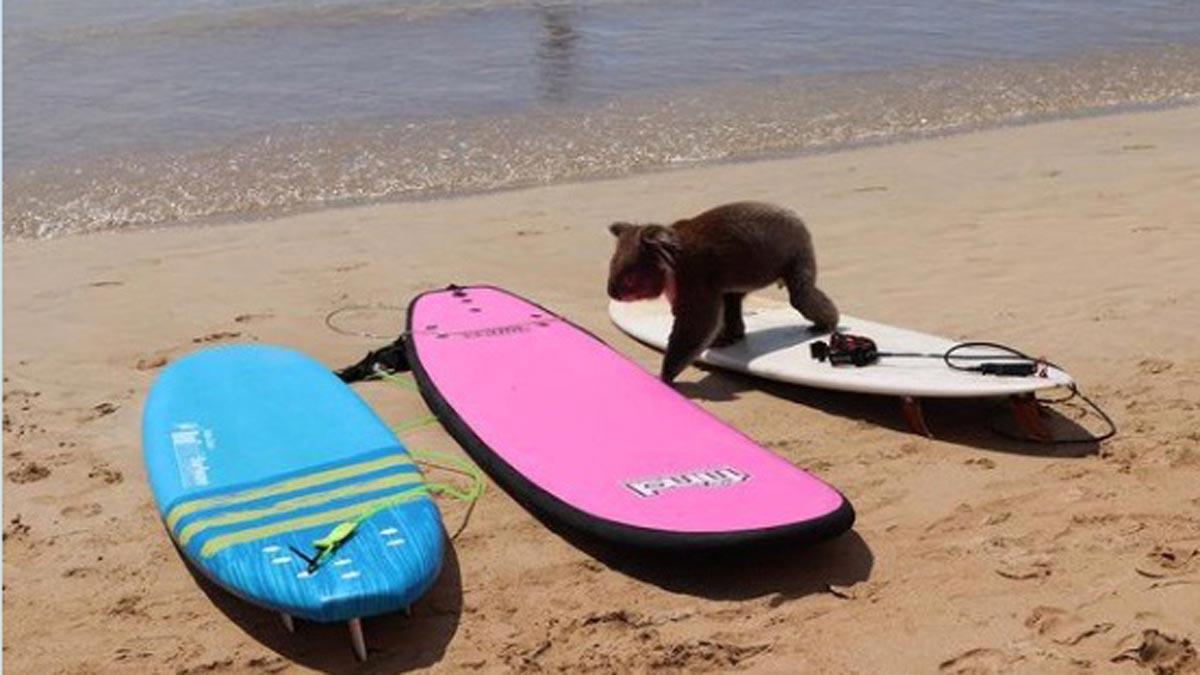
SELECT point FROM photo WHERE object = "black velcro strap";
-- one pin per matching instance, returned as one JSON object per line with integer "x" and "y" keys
{"x": 391, "y": 358}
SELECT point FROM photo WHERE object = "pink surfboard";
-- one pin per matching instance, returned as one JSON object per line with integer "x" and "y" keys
{"x": 588, "y": 439}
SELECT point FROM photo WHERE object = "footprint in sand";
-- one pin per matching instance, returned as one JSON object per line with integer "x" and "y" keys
{"x": 217, "y": 336}
{"x": 107, "y": 474}
{"x": 151, "y": 362}
{"x": 126, "y": 653}
{"x": 21, "y": 397}
{"x": 863, "y": 590}
{"x": 105, "y": 408}
{"x": 689, "y": 656}
{"x": 1164, "y": 654}
{"x": 102, "y": 409}
{"x": 1044, "y": 619}
{"x": 1155, "y": 366}
{"x": 1081, "y": 635}
{"x": 161, "y": 358}
{"x": 79, "y": 572}
{"x": 28, "y": 473}
{"x": 1169, "y": 561}
{"x": 246, "y": 318}
{"x": 1023, "y": 566}
{"x": 82, "y": 511}
{"x": 16, "y": 530}
{"x": 981, "y": 462}
{"x": 266, "y": 664}
{"x": 997, "y": 518}
{"x": 20, "y": 430}
{"x": 209, "y": 666}
{"x": 129, "y": 605}
{"x": 978, "y": 660}
{"x": 1063, "y": 627}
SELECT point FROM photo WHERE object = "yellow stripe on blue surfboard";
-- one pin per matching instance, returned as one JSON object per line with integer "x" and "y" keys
{"x": 283, "y": 487}
{"x": 221, "y": 542}
{"x": 187, "y": 532}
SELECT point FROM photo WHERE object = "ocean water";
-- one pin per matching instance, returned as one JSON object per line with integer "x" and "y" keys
{"x": 121, "y": 113}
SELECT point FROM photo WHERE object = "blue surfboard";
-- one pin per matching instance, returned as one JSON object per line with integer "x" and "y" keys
{"x": 280, "y": 484}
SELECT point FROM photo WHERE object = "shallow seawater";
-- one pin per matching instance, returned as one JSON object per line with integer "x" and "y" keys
{"x": 120, "y": 114}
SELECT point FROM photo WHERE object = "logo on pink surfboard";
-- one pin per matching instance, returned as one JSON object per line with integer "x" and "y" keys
{"x": 702, "y": 478}
{"x": 494, "y": 331}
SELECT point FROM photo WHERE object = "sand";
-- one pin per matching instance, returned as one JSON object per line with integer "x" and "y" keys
{"x": 1075, "y": 239}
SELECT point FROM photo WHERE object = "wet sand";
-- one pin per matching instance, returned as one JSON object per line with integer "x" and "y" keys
{"x": 297, "y": 167}
{"x": 972, "y": 553}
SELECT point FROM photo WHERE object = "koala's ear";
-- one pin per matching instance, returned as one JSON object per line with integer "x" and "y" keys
{"x": 664, "y": 242}
{"x": 618, "y": 229}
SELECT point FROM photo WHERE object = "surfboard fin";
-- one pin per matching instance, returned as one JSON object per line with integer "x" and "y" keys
{"x": 288, "y": 623}
{"x": 1027, "y": 411}
{"x": 914, "y": 416}
{"x": 356, "y": 639}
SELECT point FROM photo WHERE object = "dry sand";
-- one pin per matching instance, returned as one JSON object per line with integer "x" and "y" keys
{"x": 1075, "y": 239}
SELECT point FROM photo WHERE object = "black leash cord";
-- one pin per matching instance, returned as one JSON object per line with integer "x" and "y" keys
{"x": 1028, "y": 367}
{"x": 1112, "y": 426}
{"x": 949, "y": 355}
{"x": 1073, "y": 388}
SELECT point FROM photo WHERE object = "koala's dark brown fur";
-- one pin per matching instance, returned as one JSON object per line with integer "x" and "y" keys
{"x": 706, "y": 265}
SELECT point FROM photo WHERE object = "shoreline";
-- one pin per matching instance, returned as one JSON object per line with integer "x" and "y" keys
{"x": 1076, "y": 239}
{"x": 308, "y": 167}
{"x": 918, "y": 136}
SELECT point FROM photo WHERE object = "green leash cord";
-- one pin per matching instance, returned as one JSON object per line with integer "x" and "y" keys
{"x": 398, "y": 380}
{"x": 439, "y": 460}
{"x": 341, "y": 533}
{"x": 413, "y": 424}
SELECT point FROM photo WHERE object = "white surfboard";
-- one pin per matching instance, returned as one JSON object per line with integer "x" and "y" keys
{"x": 777, "y": 347}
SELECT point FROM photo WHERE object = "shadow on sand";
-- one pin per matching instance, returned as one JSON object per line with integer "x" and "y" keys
{"x": 979, "y": 423}
{"x": 786, "y": 571}
{"x": 395, "y": 642}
